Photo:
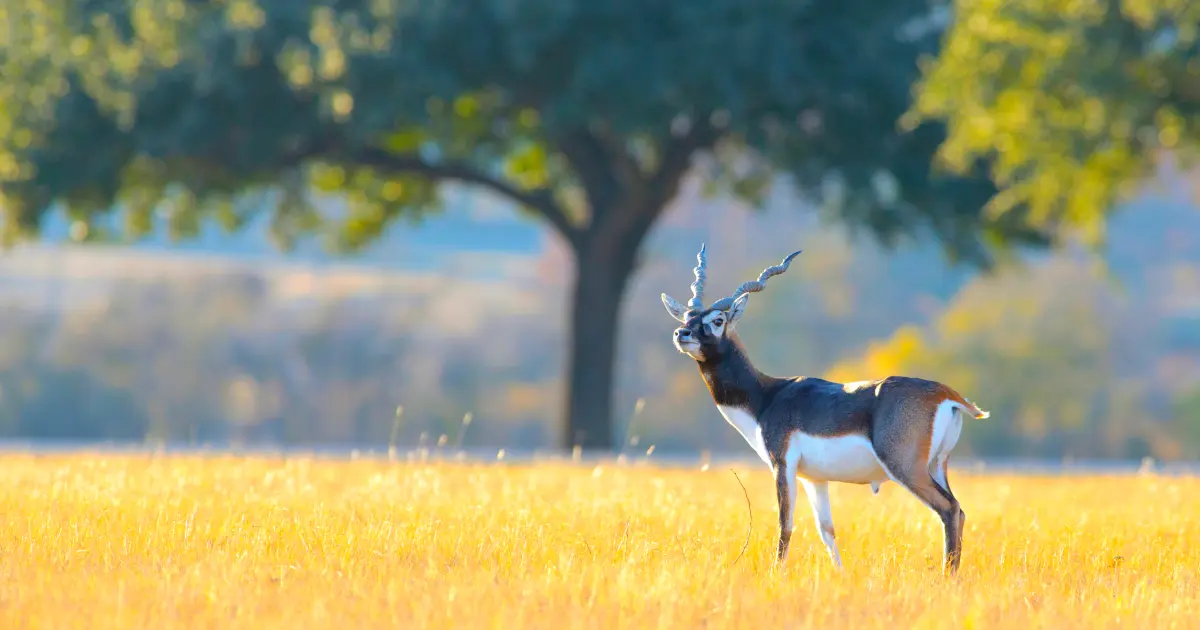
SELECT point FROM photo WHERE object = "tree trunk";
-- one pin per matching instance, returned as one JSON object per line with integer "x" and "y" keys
{"x": 602, "y": 272}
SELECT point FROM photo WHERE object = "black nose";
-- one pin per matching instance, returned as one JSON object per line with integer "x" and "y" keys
{"x": 682, "y": 333}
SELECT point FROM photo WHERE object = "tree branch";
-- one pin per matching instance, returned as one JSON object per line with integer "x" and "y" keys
{"x": 677, "y": 158}
{"x": 625, "y": 168}
{"x": 663, "y": 185}
{"x": 605, "y": 171}
{"x": 628, "y": 221}
{"x": 540, "y": 200}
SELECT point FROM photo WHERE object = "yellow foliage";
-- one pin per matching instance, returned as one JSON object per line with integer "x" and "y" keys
{"x": 1029, "y": 345}
{"x": 529, "y": 165}
{"x": 898, "y": 356}
{"x": 143, "y": 542}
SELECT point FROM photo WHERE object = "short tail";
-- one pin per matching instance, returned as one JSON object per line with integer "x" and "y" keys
{"x": 966, "y": 405}
{"x": 974, "y": 410}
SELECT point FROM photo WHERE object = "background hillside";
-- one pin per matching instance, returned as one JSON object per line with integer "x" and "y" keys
{"x": 226, "y": 341}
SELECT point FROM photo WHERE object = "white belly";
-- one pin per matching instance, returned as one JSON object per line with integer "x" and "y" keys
{"x": 846, "y": 458}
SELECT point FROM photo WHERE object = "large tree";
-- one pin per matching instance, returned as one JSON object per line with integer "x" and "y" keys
{"x": 586, "y": 114}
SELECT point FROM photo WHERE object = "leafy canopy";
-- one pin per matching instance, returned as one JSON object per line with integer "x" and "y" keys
{"x": 1073, "y": 102}
{"x": 180, "y": 107}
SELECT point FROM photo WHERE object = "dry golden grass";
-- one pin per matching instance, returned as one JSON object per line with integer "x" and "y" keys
{"x": 145, "y": 542}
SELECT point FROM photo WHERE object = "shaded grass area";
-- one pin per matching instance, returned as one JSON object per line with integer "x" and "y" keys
{"x": 108, "y": 541}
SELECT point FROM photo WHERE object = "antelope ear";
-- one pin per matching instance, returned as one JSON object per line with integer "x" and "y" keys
{"x": 738, "y": 308}
{"x": 674, "y": 308}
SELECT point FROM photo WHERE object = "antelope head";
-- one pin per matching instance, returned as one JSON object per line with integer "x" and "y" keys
{"x": 706, "y": 333}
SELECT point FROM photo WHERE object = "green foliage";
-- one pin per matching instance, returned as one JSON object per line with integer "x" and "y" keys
{"x": 1071, "y": 102}
{"x": 180, "y": 107}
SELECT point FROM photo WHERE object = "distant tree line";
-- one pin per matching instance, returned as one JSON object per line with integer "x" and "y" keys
{"x": 1075, "y": 355}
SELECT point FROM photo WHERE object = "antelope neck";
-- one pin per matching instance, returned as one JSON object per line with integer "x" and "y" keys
{"x": 733, "y": 380}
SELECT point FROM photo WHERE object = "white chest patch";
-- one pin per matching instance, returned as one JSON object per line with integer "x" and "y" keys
{"x": 748, "y": 427}
{"x": 845, "y": 458}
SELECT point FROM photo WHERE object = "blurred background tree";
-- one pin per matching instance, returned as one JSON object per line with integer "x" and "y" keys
{"x": 1077, "y": 353}
{"x": 340, "y": 117}
{"x": 332, "y": 120}
{"x": 1073, "y": 105}
{"x": 1036, "y": 342}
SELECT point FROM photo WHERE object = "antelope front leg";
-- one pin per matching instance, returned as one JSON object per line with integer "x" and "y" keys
{"x": 785, "y": 490}
{"x": 818, "y": 496}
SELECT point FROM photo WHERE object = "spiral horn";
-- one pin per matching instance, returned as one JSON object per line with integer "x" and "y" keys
{"x": 754, "y": 286}
{"x": 697, "y": 301}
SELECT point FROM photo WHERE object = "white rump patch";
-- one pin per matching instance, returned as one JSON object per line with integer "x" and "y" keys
{"x": 844, "y": 458}
{"x": 748, "y": 426}
{"x": 947, "y": 427}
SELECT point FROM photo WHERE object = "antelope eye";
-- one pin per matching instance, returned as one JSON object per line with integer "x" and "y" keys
{"x": 718, "y": 322}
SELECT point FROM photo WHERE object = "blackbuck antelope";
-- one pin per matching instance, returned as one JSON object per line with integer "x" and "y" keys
{"x": 899, "y": 428}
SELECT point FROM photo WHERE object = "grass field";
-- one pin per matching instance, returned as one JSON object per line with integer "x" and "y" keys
{"x": 159, "y": 542}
